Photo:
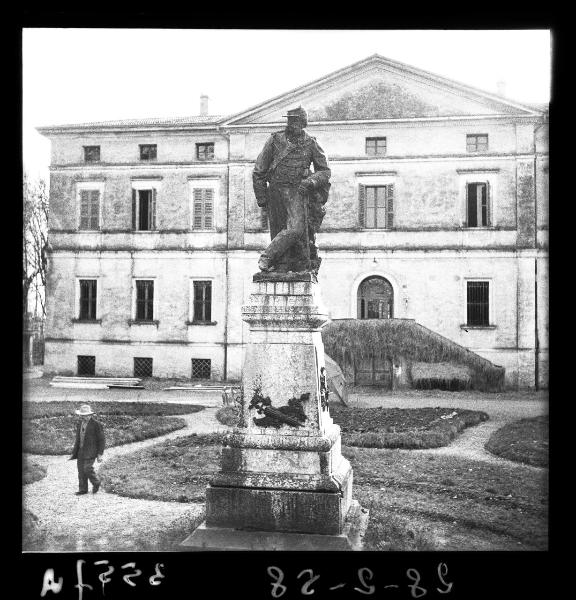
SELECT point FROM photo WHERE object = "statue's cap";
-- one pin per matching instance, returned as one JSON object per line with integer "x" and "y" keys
{"x": 297, "y": 112}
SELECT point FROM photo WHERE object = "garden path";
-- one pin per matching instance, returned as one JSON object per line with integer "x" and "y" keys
{"x": 96, "y": 522}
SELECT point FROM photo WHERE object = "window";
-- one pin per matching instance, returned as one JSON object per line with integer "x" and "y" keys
{"x": 477, "y": 142}
{"x": 144, "y": 209}
{"x": 478, "y": 204}
{"x": 144, "y": 300}
{"x": 142, "y": 367}
{"x": 86, "y": 366}
{"x": 202, "y": 208}
{"x": 205, "y": 151}
{"x": 148, "y": 151}
{"x": 377, "y": 206}
{"x": 202, "y": 301}
{"x": 376, "y": 146}
{"x": 375, "y": 299}
{"x": 91, "y": 153}
{"x": 478, "y": 303}
{"x": 87, "y": 311}
{"x": 89, "y": 209}
{"x": 201, "y": 368}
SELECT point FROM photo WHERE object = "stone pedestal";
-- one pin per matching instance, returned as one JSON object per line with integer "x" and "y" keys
{"x": 283, "y": 481}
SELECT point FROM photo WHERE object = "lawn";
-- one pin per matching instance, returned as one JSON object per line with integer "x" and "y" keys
{"x": 49, "y": 427}
{"x": 417, "y": 501}
{"x": 391, "y": 427}
{"x": 524, "y": 441}
{"x": 32, "y": 471}
{"x": 403, "y": 427}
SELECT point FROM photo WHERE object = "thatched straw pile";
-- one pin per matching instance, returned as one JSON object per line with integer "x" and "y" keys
{"x": 345, "y": 339}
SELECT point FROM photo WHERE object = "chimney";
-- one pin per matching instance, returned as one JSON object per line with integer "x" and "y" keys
{"x": 501, "y": 88}
{"x": 203, "y": 105}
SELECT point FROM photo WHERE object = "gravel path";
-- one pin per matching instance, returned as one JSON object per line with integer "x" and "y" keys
{"x": 101, "y": 521}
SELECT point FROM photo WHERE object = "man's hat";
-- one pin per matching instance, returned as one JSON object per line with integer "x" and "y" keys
{"x": 84, "y": 411}
{"x": 297, "y": 112}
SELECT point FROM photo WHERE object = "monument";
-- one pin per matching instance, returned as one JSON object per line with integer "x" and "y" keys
{"x": 283, "y": 483}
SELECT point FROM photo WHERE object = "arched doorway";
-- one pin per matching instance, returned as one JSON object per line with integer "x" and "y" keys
{"x": 375, "y": 299}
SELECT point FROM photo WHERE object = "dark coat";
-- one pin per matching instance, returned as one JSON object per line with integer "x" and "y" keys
{"x": 94, "y": 441}
{"x": 283, "y": 162}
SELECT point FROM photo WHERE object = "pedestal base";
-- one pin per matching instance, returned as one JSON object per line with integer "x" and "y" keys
{"x": 227, "y": 538}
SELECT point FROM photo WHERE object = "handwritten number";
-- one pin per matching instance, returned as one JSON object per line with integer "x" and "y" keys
{"x": 276, "y": 573}
{"x": 49, "y": 585}
{"x": 80, "y": 585}
{"x": 128, "y": 578}
{"x": 304, "y": 591}
{"x": 415, "y": 590}
{"x": 442, "y": 572}
{"x": 157, "y": 575}
{"x": 102, "y": 577}
{"x": 370, "y": 588}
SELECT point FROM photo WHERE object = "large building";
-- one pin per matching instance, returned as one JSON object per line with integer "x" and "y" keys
{"x": 438, "y": 212}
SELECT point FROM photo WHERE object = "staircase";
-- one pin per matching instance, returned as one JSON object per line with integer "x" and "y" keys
{"x": 407, "y": 338}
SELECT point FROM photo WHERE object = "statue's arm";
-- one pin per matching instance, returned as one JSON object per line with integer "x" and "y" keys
{"x": 260, "y": 172}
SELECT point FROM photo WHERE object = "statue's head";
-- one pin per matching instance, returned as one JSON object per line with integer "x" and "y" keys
{"x": 297, "y": 119}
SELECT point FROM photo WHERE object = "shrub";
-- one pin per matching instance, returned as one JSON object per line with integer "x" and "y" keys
{"x": 229, "y": 415}
{"x": 345, "y": 338}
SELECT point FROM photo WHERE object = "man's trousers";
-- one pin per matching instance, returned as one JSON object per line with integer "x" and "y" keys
{"x": 86, "y": 472}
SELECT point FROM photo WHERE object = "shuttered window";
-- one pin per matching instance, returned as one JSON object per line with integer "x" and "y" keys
{"x": 478, "y": 303}
{"x": 376, "y": 206}
{"x": 203, "y": 208}
{"x": 90, "y": 209}
{"x": 478, "y": 204}
{"x": 144, "y": 210}
{"x": 477, "y": 142}
{"x": 202, "y": 301}
{"x": 88, "y": 292}
{"x": 144, "y": 300}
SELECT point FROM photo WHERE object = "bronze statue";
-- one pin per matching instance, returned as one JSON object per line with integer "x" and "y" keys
{"x": 293, "y": 195}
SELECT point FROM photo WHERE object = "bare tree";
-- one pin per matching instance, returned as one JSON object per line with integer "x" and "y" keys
{"x": 35, "y": 245}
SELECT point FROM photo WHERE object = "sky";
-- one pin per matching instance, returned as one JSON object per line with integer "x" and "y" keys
{"x": 80, "y": 75}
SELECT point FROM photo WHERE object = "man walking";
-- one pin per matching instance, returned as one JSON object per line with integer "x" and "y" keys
{"x": 88, "y": 447}
{"x": 293, "y": 195}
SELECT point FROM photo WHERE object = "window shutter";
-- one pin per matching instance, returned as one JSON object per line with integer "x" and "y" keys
{"x": 84, "y": 208}
{"x": 208, "y": 208}
{"x": 197, "y": 209}
{"x": 134, "y": 211}
{"x": 488, "y": 202}
{"x": 153, "y": 210}
{"x": 362, "y": 205}
{"x": 95, "y": 209}
{"x": 390, "y": 206}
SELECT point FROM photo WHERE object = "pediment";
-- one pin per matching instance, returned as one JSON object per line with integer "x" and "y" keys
{"x": 378, "y": 88}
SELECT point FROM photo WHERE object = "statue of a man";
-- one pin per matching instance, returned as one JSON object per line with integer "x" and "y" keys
{"x": 293, "y": 195}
